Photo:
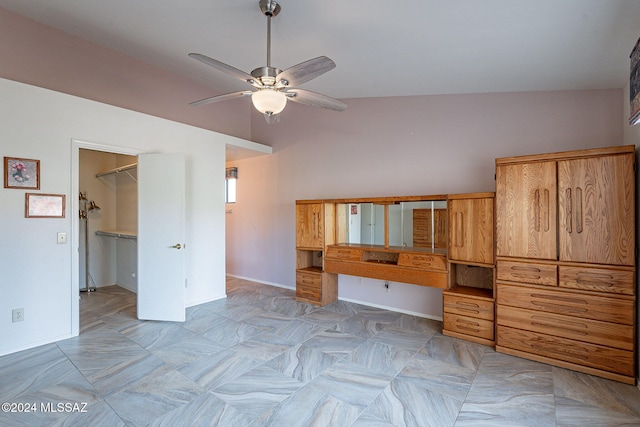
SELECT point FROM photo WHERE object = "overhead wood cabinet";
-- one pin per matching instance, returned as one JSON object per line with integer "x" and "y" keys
{"x": 469, "y": 304}
{"x": 565, "y": 246}
{"x": 315, "y": 228}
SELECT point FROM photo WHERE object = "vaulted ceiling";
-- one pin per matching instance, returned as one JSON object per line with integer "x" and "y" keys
{"x": 381, "y": 48}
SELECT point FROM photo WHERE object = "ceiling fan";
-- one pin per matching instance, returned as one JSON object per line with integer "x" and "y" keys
{"x": 273, "y": 87}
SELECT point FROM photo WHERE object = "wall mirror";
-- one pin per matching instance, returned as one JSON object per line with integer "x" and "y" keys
{"x": 409, "y": 224}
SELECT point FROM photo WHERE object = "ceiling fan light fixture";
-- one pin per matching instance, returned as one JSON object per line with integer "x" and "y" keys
{"x": 272, "y": 85}
{"x": 269, "y": 101}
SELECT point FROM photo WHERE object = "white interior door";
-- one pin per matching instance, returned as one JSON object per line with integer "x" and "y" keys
{"x": 161, "y": 237}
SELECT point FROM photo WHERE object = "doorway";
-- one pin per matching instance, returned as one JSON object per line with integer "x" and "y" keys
{"x": 87, "y": 160}
{"x": 160, "y": 264}
{"x": 107, "y": 227}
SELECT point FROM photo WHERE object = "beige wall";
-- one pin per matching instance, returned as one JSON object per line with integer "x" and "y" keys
{"x": 396, "y": 146}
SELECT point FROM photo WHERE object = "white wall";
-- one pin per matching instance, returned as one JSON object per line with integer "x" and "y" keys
{"x": 396, "y": 146}
{"x": 36, "y": 272}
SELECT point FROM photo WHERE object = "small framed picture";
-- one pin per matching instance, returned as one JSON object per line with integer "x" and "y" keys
{"x": 44, "y": 205}
{"x": 21, "y": 173}
{"x": 634, "y": 85}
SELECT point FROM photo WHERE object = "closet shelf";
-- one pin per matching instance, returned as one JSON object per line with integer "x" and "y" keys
{"x": 118, "y": 234}
{"x": 121, "y": 169}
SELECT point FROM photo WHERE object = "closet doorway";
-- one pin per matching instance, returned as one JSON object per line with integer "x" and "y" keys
{"x": 158, "y": 261}
{"x": 107, "y": 225}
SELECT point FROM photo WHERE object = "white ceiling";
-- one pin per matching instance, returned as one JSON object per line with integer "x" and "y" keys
{"x": 381, "y": 48}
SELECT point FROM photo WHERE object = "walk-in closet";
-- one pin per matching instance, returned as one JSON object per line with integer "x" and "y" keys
{"x": 108, "y": 212}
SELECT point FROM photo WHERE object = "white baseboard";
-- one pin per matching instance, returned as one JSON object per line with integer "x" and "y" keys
{"x": 264, "y": 282}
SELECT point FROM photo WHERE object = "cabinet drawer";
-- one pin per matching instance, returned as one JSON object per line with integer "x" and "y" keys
{"x": 344, "y": 253}
{"x": 571, "y": 304}
{"x": 424, "y": 261}
{"x": 310, "y": 293}
{"x": 584, "y": 354}
{"x": 469, "y": 326}
{"x": 592, "y": 331}
{"x": 524, "y": 272}
{"x": 471, "y": 307}
{"x": 598, "y": 279}
{"x": 309, "y": 280}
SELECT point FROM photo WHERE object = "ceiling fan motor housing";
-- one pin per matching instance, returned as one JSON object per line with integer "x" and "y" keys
{"x": 266, "y": 75}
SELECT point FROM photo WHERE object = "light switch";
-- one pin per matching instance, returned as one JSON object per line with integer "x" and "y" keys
{"x": 62, "y": 238}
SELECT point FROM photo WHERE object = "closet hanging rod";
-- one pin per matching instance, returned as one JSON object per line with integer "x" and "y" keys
{"x": 117, "y": 234}
{"x": 117, "y": 170}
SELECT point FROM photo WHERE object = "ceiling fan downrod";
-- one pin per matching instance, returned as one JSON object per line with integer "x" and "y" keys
{"x": 270, "y": 9}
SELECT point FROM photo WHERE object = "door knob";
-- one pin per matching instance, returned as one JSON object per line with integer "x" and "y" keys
{"x": 177, "y": 246}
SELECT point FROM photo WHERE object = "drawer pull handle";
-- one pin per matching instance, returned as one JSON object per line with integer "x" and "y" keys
{"x": 575, "y": 352}
{"x": 467, "y": 325}
{"x": 527, "y": 268}
{"x": 595, "y": 279}
{"x": 526, "y": 276}
{"x": 573, "y": 327}
{"x": 468, "y": 304}
{"x": 559, "y": 298}
{"x": 560, "y": 308}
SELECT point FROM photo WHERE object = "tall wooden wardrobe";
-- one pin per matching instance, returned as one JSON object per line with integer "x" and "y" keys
{"x": 565, "y": 250}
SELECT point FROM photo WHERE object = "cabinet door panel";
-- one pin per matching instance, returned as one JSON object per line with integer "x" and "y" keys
{"x": 596, "y": 210}
{"x": 526, "y": 210}
{"x": 310, "y": 226}
{"x": 471, "y": 230}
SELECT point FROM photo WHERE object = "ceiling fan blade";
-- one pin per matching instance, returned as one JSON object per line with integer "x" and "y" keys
{"x": 219, "y": 98}
{"x": 306, "y": 71}
{"x": 315, "y": 99}
{"x": 227, "y": 69}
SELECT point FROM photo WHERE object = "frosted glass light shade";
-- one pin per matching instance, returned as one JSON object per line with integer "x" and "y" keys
{"x": 269, "y": 101}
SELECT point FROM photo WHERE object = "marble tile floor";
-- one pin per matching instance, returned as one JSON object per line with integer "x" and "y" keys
{"x": 259, "y": 358}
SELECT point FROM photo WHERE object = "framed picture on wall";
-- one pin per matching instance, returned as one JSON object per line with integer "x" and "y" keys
{"x": 634, "y": 85}
{"x": 21, "y": 173}
{"x": 44, "y": 205}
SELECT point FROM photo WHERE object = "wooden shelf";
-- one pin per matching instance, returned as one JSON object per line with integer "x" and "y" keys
{"x": 119, "y": 170}
{"x": 311, "y": 269}
{"x": 471, "y": 292}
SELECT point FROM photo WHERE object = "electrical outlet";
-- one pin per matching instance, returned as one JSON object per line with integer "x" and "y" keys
{"x": 17, "y": 315}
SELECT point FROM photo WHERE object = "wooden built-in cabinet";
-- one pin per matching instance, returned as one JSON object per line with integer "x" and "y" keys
{"x": 315, "y": 225}
{"x": 565, "y": 246}
{"x": 544, "y": 268}
{"x": 468, "y": 303}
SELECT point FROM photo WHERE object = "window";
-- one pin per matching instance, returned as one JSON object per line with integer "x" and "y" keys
{"x": 230, "y": 185}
